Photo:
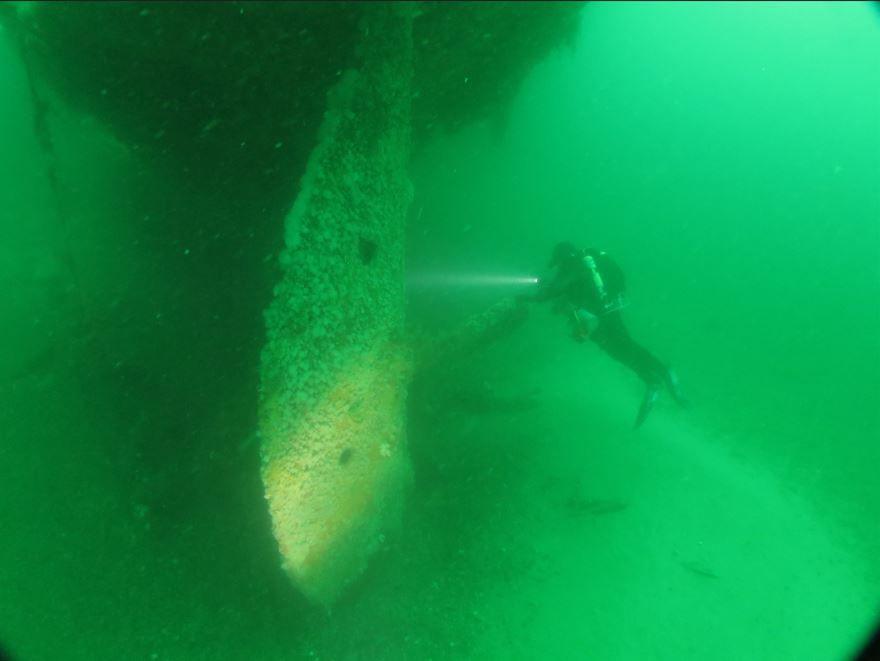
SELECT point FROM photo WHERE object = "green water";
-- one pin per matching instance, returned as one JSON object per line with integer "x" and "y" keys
{"x": 727, "y": 155}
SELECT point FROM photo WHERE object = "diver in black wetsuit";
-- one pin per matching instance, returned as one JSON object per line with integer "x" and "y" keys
{"x": 591, "y": 286}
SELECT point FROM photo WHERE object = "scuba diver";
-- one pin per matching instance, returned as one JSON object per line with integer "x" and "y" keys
{"x": 590, "y": 287}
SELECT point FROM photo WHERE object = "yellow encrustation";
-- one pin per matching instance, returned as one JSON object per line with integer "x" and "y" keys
{"x": 338, "y": 479}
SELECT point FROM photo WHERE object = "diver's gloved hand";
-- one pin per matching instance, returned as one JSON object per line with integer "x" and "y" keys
{"x": 583, "y": 324}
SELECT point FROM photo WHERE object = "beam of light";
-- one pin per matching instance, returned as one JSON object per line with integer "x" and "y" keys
{"x": 444, "y": 279}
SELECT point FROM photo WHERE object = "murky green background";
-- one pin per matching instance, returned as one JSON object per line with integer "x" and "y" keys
{"x": 726, "y": 154}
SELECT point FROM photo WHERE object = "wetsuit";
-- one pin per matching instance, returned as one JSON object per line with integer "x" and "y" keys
{"x": 594, "y": 283}
{"x": 576, "y": 285}
{"x": 614, "y": 339}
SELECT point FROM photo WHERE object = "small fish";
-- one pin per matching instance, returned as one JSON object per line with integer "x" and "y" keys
{"x": 577, "y": 506}
{"x": 209, "y": 126}
{"x": 698, "y": 568}
{"x": 248, "y": 442}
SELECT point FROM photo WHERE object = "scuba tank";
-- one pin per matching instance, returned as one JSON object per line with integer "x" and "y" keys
{"x": 609, "y": 303}
{"x": 590, "y": 263}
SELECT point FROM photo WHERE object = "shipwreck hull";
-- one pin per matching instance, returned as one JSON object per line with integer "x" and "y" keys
{"x": 335, "y": 370}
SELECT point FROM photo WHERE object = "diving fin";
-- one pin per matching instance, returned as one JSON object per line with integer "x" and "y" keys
{"x": 652, "y": 393}
{"x": 672, "y": 382}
